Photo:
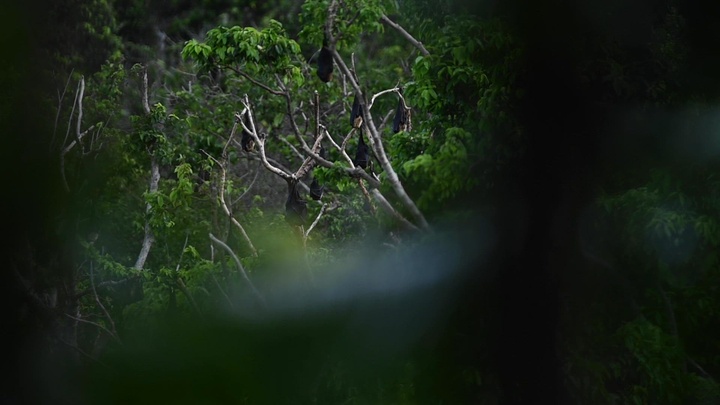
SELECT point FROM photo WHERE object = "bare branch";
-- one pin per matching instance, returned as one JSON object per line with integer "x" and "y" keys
{"x": 258, "y": 141}
{"x": 145, "y": 100}
{"x": 61, "y": 97}
{"x": 292, "y": 147}
{"x": 702, "y": 370}
{"x": 80, "y": 111}
{"x": 101, "y": 284}
{"x": 385, "y": 120}
{"x": 385, "y": 205}
{"x": 347, "y": 138}
{"x": 405, "y": 34}
{"x": 315, "y": 222}
{"x": 65, "y": 152}
{"x": 255, "y": 81}
{"x": 257, "y": 171}
{"x": 351, "y": 171}
{"x": 341, "y": 149}
{"x": 309, "y": 163}
{"x": 149, "y": 237}
{"x": 104, "y": 329}
{"x": 182, "y": 252}
{"x": 223, "y": 204}
{"x": 376, "y": 143}
{"x": 332, "y": 14}
{"x": 72, "y": 113}
{"x": 367, "y": 197}
{"x": 291, "y": 115}
{"x": 105, "y": 311}
{"x": 186, "y": 292}
{"x": 372, "y": 100}
{"x": 217, "y": 283}
{"x": 240, "y": 267}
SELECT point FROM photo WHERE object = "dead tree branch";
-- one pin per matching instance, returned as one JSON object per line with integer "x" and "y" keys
{"x": 149, "y": 237}
{"x": 372, "y": 133}
{"x": 240, "y": 268}
{"x": 113, "y": 331}
{"x": 387, "y": 207}
{"x": 259, "y": 141}
{"x": 405, "y": 34}
{"x": 223, "y": 204}
{"x": 306, "y": 234}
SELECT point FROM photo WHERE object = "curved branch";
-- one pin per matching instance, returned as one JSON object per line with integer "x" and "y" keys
{"x": 309, "y": 163}
{"x": 255, "y": 81}
{"x": 385, "y": 205}
{"x": 367, "y": 197}
{"x": 100, "y": 304}
{"x": 292, "y": 147}
{"x": 405, "y": 34}
{"x": 223, "y": 204}
{"x": 252, "y": 183}
{"x": 258, "y": 141}
{"x": 240, "y": 267}
{"x": 341, "y": 149}
{"x": 376, "y": 95}
{"x": 291, "y": 116}
{"x": 315, "y": 222}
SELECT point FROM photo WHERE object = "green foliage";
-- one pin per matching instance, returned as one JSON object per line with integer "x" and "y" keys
{"x": 80, "y": 36}
{"x": 463, "y": 96}
{"x": 447, "y": 173}
{"x": 616, "y": 72}
{"x": 351, "y": 21}
{"x": 249, "y": 49}
{"x": 658, "y": 360}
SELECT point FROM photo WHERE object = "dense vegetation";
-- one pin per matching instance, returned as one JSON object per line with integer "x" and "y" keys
{"x": 192, "y": 219}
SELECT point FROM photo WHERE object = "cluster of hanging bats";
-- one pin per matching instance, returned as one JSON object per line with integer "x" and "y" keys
{"x": 296, "y": 206}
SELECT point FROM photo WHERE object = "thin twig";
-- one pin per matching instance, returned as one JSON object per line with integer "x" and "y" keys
{"x": 292, "y": 147}
{"x": 97, "y": 300}
{"x": 61, "y": 97}
{"x": 79, "y": 350}
{"x": 340, "y": 149}
{"x": 104, "y": 329}
{"x": 223, "y": 204}
{"x": 227, "y": 298}
{"x": 181, "y": 284}
{"x": 255, "y": 81}
{"x": 702, "y": 370}
{"x": 385, "y": 120}
{"x": 258, "y": 141}
{"x": 315, "y": 222}
{"x": 246, "y": 190}
{"x": 367, "y": 197}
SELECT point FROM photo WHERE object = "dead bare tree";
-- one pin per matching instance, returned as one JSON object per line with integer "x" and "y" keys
{"x": 373, "y": 135}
